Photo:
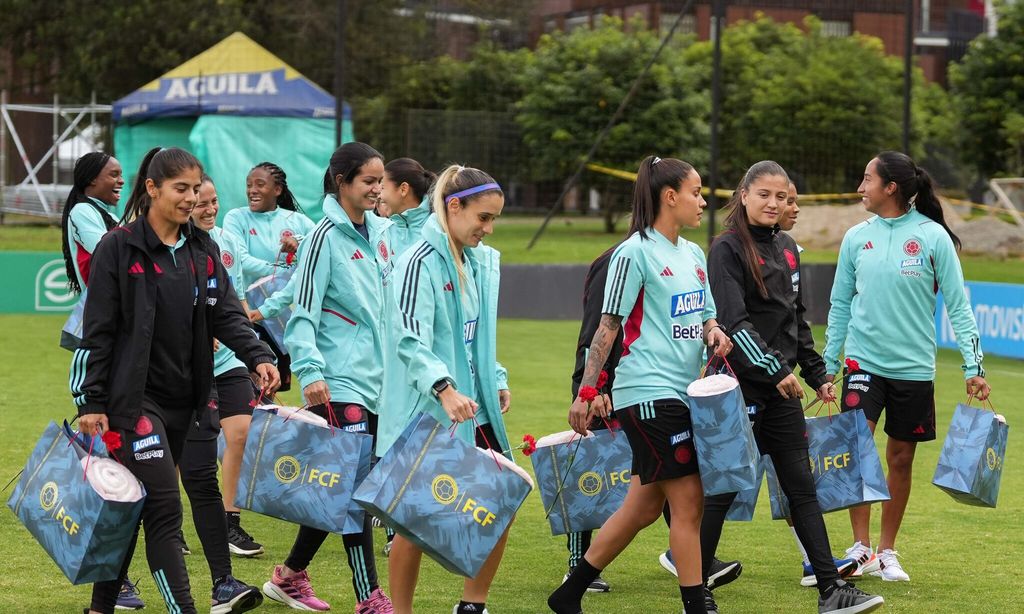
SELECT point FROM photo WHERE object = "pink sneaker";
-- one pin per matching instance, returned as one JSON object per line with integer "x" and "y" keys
{"x": 376, "y": 603}
{"x": 295, "y": 592}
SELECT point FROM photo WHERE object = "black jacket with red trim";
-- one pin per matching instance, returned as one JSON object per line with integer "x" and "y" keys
{"x": 770, "y": 336}
{"x": 109, "y": 369}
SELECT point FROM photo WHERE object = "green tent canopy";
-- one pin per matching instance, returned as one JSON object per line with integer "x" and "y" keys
{"x": 233, "y": 106}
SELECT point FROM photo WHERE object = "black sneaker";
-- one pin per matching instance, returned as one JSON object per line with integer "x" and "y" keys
{"x": 722, "y": 573}
{"x": 597, "y": 586}
{"x": 129, "y": 597}
{"x": 709, "y": 602}
{"x": 231, "y": 596}
{"x": 241, "y": 543}
{"x": 184, "y": 547}
{"x": 845, "y": 598}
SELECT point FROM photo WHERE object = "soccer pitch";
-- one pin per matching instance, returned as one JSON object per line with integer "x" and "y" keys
{"x": 959, "y": 557}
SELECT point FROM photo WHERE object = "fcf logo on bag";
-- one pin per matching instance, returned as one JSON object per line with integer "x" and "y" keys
{"x": 993, "y": 460}
{"x": 592, "y": 483}
{"x": 288, "y": 469}
{"x": 446, "y": 492}
{"x": 49, "y": 497}
{"x": 829, "y": 462}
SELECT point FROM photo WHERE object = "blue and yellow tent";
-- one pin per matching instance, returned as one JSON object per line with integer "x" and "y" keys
{"x": 234, "y": 105}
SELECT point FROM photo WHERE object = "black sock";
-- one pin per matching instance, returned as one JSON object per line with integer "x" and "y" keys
{"x": 466, "y": 607}
{"x": 693, "y": 599}
{"x": 233, "y": 518}
{"x": 218, "y": 580}
{"x": 566, "y": 598}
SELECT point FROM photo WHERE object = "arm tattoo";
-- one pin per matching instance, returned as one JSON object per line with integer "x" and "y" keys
{"x": 600, "y": 347}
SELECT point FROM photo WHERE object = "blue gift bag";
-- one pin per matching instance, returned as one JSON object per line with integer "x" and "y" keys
{"x": 303, "y": 473}
{"x": 86, "y": 534}
{"x": 742, "y": 508}
{"x": 844, "y": 463}
{"x": 71, "y": 333}
{"x": 726, "y": 450}
{"x": 260, "y": 291}
{"x": 451, "y": 499}
{"x": 971, "y": 462}
{"x": 596, "y": 473}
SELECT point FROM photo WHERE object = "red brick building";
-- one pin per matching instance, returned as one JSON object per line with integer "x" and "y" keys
{"x": 942, "y": 28}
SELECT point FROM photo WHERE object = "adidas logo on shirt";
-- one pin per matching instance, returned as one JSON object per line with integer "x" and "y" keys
{"x": 667, "y": 272}
{"x": 358, "y": 255}
{"x": 136, "y": 269}
{"x": 252, "y": 231}
{"x": 868, "y": 245}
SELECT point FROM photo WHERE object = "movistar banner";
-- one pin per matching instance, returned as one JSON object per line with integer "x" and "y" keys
{"x": 35, "y": 282}
{"x": 999, "y": 311}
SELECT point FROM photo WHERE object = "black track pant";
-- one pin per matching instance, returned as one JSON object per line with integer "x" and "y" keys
{"x": 150, "y": 452}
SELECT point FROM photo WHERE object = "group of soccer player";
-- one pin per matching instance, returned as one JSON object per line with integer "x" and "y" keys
{"x": 394, "y": 303}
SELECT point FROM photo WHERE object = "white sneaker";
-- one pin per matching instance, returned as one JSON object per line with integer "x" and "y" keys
{"x": 889, "y": 568}
{"x": 867, "y": 561}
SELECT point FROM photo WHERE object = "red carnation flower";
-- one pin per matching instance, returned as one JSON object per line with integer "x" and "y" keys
{"x": 529, "y": 444}
{"x": 602, "y": 379}
{"x": 851, "y": 365}
{"x": 112, "y": 439}
{"x": 588, "y": 394}
{"x": 290, "y": 258}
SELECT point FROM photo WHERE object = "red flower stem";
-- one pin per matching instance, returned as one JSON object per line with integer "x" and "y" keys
{"x": 561, "y": 485}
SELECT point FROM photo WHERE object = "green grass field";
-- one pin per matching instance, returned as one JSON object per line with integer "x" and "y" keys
{"x": 566, "y": 240}
{"x": 960, "y": 558}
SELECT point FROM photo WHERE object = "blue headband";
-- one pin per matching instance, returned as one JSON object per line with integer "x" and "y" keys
{"x": 470, "y": 191}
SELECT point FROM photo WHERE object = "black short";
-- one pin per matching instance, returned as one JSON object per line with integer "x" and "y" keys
{"x": 778, "y": 423}
{"x": 235, "y": 393}
{"x": 486, "y": 439}
{"x": 910, "y": 404}
{"x": 661, "y": 437}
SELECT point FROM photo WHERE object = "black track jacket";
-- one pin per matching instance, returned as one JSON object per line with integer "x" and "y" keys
{"x": 109, "y": 369}
{"x": 770, "y": 336}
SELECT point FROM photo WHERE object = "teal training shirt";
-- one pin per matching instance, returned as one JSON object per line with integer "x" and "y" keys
{"x": 85, "y": 229}
{"x": 261, "y": 234}
{"x": 224, "y": 359}
{"x": 660, "y": 289}
{"x": 883, "y": 299}
{"x": 408, "y": 226}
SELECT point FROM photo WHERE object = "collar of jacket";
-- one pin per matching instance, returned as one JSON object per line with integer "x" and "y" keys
{"x": 763, "y": 234}
{"x": 437, "y": 239}
{"x": 414, "y": 216}
{"x": 895, "y": 222}
{"x": 142, "y": 235}
{"x": 375, "y": 225}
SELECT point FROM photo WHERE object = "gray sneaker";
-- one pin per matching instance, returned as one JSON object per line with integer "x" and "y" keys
{"x": 845, "y": 598}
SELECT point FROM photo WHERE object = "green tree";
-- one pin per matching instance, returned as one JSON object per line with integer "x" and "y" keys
{"x": 576, "y": 81}
{"x": 988, "y": 86}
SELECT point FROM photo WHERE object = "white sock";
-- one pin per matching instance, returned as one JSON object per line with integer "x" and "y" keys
{"x": 800, "y": 546}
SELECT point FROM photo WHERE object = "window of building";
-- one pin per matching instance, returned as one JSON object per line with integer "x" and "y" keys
{"x": 835, "y": 28}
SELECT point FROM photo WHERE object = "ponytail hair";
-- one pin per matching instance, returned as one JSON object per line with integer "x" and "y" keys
{"x": 653, "y": 175}
{"x": 913, "y": 184}
{"x": 87, "y": 169}
{"x": 452, "y": 183}
{"x": 738, "y": 222}
{"x": 407, "y": 170}
{"x": 160, "y": 163}
{"x": 346, "y": 161}
{"x": 286, "y": 200}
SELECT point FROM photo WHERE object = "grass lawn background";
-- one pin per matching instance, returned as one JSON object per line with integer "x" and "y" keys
{"x": 960, "y": 558}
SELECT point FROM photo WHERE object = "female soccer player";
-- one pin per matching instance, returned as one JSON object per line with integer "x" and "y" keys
{"x": 883, "y": 315}
{"x": 405, "y": 193}
{"x": 145, "y": 365}
{"x": 89, "y": 212}
{"x": 755, "y": 278}
{"x": 335, "y": 337}
{"x": 445, "y": 337}
{"x": 657, "y": 283}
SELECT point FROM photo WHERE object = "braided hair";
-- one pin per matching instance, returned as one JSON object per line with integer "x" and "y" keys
{"x": 87, "y": 169}
{"x": 286, "y": 200}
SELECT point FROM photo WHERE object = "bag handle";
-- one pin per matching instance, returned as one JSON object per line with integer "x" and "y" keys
{"x": 476, "y": 427}
{"x": 724, "y": 360}
{"x": 987, "y": 401}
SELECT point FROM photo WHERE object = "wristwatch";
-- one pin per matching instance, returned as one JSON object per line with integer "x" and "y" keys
{"x": 441, "y": 385}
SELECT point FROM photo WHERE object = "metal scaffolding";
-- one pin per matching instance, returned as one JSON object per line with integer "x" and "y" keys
{"x": 30, "y": 196}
